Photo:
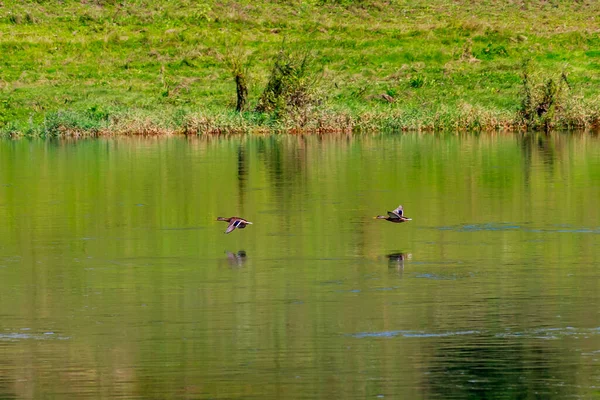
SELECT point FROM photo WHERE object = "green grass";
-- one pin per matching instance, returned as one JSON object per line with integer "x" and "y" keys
{"x": 149, "y": 66}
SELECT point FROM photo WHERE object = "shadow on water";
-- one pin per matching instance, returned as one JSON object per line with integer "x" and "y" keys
{"x": 498, "y": 369}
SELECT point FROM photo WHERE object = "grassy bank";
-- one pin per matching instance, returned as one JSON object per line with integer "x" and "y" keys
{"x": 150, "y": 67}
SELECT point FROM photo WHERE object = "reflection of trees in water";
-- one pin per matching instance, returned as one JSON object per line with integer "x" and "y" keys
{"x": 526, "y": 151}
{"x": 297, "y": 168}
{"x": 547, "y": 146}
{"x": 242, "y": 172}
{"x": 284, "y": 160}
{"x": 498, "y": 369}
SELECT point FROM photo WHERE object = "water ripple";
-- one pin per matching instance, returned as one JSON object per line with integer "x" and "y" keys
{"x": 412, "y": 334}
{"x": 27, "y": 336}
{"x": 451, "y": 277}
{"x": 480, "y": 227}
{"x": 551, "y": 333}
{"x": 511, "y": 227}
{"x": 538, "y": 333}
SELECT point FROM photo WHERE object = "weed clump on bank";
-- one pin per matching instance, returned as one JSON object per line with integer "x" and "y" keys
{"x": 291, "y": 95}
{"x": 292, "y": 88}
{"x": 542, "y": 102}
{"x": 549, "y": 102}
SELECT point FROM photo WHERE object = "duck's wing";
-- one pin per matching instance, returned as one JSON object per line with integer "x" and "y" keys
{"x": 399, "y": 211}
{"x": 393, "y": 215}
{"x": 232, "y": 225}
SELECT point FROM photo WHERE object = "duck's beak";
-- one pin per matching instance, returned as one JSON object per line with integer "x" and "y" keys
{"x": 249, "y": 223}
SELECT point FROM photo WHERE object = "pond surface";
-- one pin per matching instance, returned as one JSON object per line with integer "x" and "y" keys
{"x": 117, "y": 282}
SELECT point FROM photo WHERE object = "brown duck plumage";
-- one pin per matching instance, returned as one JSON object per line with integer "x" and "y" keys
{"x": 396, "y": 216}
{"x": 234, "y": 222}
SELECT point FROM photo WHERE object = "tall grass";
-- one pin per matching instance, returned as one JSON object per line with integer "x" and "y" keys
{"x": 292, "y": 83}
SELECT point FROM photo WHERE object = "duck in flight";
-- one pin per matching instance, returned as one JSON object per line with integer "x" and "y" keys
{"x": 396, "y": 216}
{"x": 234, "y": 222}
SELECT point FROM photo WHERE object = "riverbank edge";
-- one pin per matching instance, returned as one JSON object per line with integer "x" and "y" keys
{"x": 88, "y": 124}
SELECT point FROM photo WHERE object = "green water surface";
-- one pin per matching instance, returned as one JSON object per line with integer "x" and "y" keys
{"x": 117, "y": 282}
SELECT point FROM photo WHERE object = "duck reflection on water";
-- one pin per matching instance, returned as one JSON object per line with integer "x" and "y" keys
{"x": 236, "y": 259}
{"x": 396, "y": 260}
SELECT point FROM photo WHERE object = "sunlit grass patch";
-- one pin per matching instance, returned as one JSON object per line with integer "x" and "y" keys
{"x": 381, "y": 60}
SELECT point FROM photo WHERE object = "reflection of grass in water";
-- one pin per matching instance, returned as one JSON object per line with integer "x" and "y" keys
{"x": 160, "y": 68}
